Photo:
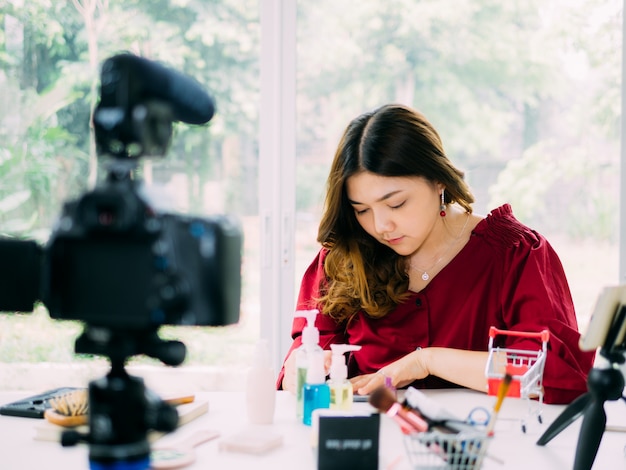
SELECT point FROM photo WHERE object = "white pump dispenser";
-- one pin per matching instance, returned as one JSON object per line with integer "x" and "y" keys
{"x": 310, "y": 333}
{"x": 341, "y": 393}
{"x": 310, "y": 346}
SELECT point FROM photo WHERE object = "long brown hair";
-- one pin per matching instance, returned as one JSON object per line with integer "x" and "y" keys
{"x": 362, "y": 273}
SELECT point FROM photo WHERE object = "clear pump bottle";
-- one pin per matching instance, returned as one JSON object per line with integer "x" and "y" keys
{"x": 310, "y": 346}
{"x": 341, "y": 393}
{"x": 316, "y": 393}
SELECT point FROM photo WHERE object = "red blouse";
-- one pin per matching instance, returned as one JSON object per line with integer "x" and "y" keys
{"x": 507, "y": 275}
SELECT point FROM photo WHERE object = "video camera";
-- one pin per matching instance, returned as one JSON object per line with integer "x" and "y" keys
{"x": 124, "y": 267}
{"x": 114, "y": 259}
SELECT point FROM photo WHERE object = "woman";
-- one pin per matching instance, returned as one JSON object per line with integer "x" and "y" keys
{"x": 410, "y": 273}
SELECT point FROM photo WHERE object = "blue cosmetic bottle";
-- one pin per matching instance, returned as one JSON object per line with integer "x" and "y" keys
{"x": 316, "y": 391}
{"x": 310, "y": 346}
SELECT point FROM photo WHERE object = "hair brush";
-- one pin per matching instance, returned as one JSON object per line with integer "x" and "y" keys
{"x": 71, "y": 409}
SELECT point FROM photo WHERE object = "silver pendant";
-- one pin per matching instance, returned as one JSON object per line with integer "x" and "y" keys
{"x": 425, "y": 276}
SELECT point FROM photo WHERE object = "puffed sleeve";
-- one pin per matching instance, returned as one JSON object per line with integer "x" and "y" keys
{"x": 330, "y": 331}
{"x": 536, "y": 296}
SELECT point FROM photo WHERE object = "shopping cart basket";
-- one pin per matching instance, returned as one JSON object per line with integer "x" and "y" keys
{"x": 435, "y": 450}
{"x": 525, "y": 366}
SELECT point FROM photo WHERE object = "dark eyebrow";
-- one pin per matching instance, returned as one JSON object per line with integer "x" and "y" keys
{"x": 386, "y": 196}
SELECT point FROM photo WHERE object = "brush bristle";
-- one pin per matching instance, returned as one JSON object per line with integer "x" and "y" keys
{"x": 74, "y": 403}
{"x": 382, "y": 399}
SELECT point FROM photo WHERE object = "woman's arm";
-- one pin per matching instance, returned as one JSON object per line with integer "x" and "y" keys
{"x": 464, "y": 368}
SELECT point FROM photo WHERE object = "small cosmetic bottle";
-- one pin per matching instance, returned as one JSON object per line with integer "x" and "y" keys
{"x": 316, "y": 393}
{"x": 340, "y": 387}
{"x": 310, "y": 346}
{"x": 261, "y": 387}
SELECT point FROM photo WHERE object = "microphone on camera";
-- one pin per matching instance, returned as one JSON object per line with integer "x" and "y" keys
{"x": 127, "y": 79}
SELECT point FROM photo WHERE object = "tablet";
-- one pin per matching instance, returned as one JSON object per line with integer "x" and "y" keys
{"x": 605, "y": 312}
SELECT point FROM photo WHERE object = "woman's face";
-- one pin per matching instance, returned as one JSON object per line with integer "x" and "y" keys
{"x": 399, "y": 212}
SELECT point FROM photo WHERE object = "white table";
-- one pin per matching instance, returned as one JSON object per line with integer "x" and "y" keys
{"x": 227, "y": 414}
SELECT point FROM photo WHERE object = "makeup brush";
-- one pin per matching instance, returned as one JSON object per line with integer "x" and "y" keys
{"x": 384, "y": 400}
{"x": 410, "y": 422}
{"x": 502, "y": 391}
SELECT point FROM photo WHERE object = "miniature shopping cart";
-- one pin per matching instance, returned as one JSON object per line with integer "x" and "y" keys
{"x": 435, "y": 450}
{"x": 526, "y": 368}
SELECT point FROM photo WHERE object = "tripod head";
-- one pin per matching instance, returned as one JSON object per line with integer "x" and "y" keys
{"x": 605, "y": 382}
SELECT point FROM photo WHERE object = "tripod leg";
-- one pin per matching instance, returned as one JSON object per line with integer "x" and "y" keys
{"x": 591, "y": 432}
{"x": 567, "y": 417}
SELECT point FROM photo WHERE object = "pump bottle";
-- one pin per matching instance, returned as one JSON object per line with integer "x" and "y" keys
{"x": 340, "y": 387}
{"x": 310, "y": 346}
{"x": 316, "y": 393}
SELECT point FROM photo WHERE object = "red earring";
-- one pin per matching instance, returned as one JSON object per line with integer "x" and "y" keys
{"x": 442, "y": 208}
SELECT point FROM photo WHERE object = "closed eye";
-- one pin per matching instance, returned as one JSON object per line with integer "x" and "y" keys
{"x": 399, "y": 205}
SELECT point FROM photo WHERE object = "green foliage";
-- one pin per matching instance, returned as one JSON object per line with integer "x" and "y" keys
{"x": 441, "y": 61}
{"x": 549, "y": 179}
{"x": 501, "y": 81}
{"x": 310, "y": 193}
{"x": 479, "y": 69}
{"x": 52, "y": 70}
{"x": 48, "y": 340}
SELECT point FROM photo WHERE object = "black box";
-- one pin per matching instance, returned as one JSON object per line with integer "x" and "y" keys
{"x": 348, "y": 441}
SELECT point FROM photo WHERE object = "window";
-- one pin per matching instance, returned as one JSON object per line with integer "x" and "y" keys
{"x": 50, "y": 57}
{"x": 525, "y": 95}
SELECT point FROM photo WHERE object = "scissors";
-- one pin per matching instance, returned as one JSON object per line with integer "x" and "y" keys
{"x": 478, "y": 416}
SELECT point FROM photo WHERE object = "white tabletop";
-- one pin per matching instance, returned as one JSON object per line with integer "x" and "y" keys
{"x": 511, "y": 449}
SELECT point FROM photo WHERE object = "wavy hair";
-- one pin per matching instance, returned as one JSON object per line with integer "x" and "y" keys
{"x": 362, "y": 273}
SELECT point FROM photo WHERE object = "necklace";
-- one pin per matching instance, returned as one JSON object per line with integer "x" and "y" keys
{"x": 425, "y": 275}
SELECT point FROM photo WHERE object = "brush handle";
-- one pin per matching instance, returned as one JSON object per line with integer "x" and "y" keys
{"x": 199, "y": 437}
{"x": 180, "y": 454}
{"x": 502, "y": 391}
{"x": 176, "y": 400}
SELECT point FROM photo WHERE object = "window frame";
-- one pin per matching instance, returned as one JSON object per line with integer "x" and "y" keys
{"x": 622, "y": 210}
{"x": 277, "y": 181}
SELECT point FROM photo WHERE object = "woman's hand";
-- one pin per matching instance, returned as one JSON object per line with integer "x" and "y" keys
{"x": 289, "y": 377}
{"x": 401, "y": 372}
{"x": 464, "y": 368}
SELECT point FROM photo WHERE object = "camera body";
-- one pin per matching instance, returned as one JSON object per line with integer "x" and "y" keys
{"x": 115, "y": 261}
